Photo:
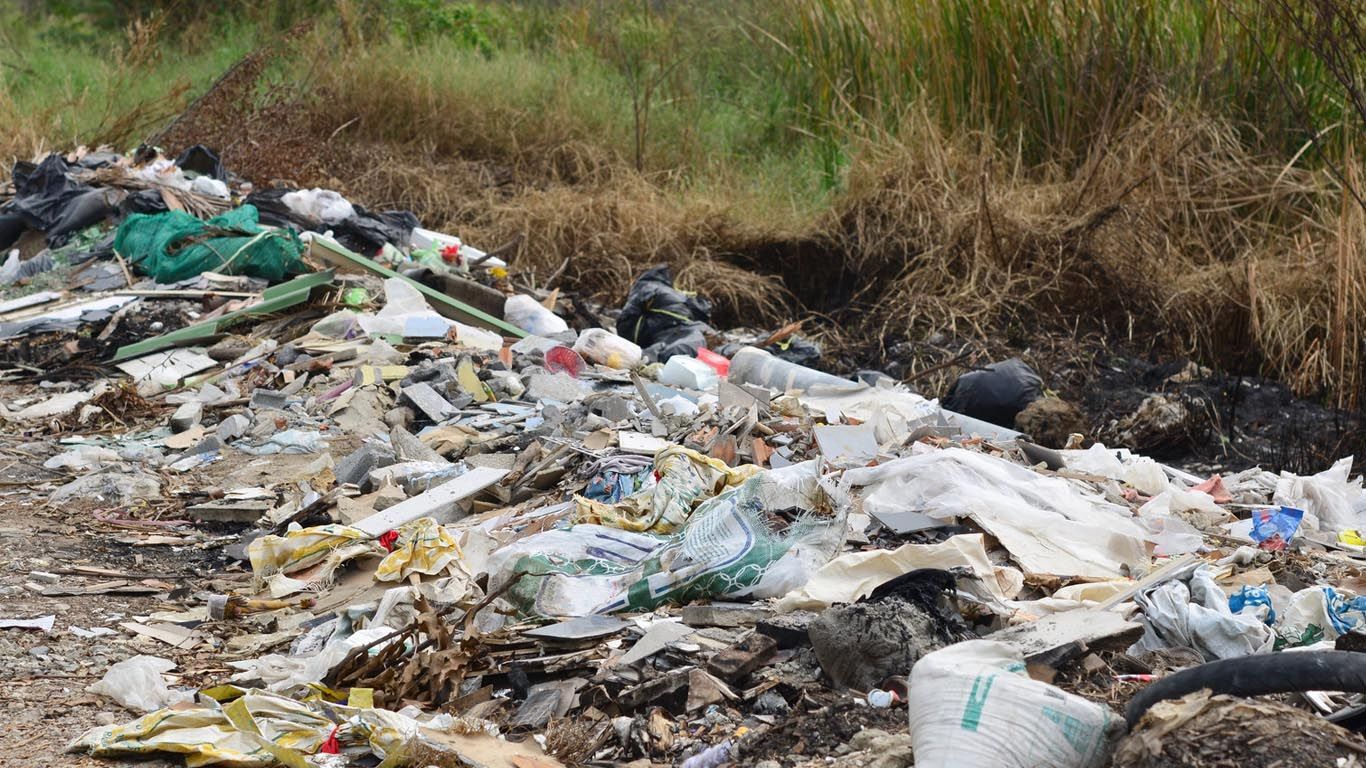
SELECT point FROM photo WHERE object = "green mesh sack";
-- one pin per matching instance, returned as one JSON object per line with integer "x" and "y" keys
{"x": 175, "y": 246}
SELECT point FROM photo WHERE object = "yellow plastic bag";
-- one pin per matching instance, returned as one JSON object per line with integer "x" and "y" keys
{"x": 296, "y": 550}
{"x": 256, "y": 729}
{"x": 423, "y": 546}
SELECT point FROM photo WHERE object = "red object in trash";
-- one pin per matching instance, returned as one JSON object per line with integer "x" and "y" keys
{"x": 564, "y": 359}
{"x": 330, "y": 745}
{"x": 388, "y": 539}
{"x": 720, "y": 363}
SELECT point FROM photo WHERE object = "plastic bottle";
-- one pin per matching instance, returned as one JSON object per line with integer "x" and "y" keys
{"x": 526, "y": 313}
{"x": 604, "y": 347}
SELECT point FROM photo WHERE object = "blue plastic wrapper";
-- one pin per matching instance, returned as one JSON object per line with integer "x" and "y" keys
{"x": 1269, "y": 525}
{"x": 1253, "y": 599}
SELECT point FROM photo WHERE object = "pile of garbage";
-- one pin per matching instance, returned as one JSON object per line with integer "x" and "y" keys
{"x": 463, "y": 518}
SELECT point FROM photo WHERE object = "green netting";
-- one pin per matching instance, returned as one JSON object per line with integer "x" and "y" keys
{"x": 175, "y": 246}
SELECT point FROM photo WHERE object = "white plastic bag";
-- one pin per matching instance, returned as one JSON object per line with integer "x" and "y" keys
{"x": 405, "y": 313}
{"x": 1145, "y": 475}
{"x": 136, "y": 684}
{"x": 319, "y": 205}
{"x": 972, "y": 704}
{"x": 1140, "y": 472}
{"x": 526, "y": 313}
{"x": 207, "y": 185}
{"x": 1330, "y": 501}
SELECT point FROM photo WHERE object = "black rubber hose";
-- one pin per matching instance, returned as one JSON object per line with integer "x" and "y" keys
{"x": 1290, "y": 672}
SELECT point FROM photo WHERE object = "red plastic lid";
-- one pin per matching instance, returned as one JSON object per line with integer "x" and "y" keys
{"x": 564, "y": 359}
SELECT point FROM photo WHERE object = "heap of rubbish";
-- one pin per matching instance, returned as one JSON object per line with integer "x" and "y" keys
{"x": 464, "y": 520}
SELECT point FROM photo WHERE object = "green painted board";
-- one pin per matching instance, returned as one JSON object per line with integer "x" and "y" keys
{"x": 273, "y": 299}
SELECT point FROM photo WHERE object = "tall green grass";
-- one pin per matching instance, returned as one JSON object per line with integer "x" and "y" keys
{"x": 768, "y": 95}
{"x": 64, "y": 82}
{"x": 1052, "y": 78}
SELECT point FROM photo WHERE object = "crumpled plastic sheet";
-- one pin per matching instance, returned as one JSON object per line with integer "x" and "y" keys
{"x": 1330, "y": 501}
{"x": 1301, "y": 618}
{"x": 291, "y": 441}
{"x": 1194, "y": 613}
{"x": 726, "y": 548}
{"x": 1174, "y": 516}
{"x": 1141, "y": 472}
{"x": 424, "y": 546}
{"x": 1050, "y": 527}
{"x": 137, "y": 684}
{"x": 685, "y": 479}
{"x": 255, "y": 729}
{"x": 854, "y": 575}
{"x": 285, "y": 674}
{"x": 616, "y": 477}
{"x": 330, "y": 545}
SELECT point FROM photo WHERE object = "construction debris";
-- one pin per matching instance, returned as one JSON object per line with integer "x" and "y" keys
{"x": 391, "y": 524}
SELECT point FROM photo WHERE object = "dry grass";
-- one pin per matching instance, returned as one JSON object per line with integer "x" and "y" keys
{"x": 1151, "y": 241}
{"x": 1170, "y": 232}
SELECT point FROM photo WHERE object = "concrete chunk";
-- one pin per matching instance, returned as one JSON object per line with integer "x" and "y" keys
{"x": 355, "y": 468}
{"x": 554, "y": 386}
{"x": 744, "y": 657}
{"x": 228, "y": 511}
{"x": 724, "y": 615}
{"x": 789, "y": 629}
{"x": 408, "y": 448}
{"x": 232, "y": 427}
{"x": 269, "y": 399}
{"x": 428, "y": 401}
{"x": 187, "y": 416}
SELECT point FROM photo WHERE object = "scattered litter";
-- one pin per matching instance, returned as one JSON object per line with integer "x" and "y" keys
{"x": 43, "y": 623}
{"x": 137, "y": 684}
{"x": 397, "y": 510}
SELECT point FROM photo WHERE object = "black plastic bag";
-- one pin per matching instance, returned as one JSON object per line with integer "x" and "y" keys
{"x": 797, "y": 350}
{"x": 366, "y": 232}
{"x": 663, "y": 320}
{"x": 683, "y": 339}
{"x": 271, "y": 208}
{"x": 144, "y": 201}
{"x": 42, "y": 195}
{"x": 203, "y": 161}
{"x": 997, "y": 393}
{"x": 83, "y": 211}
{"x": 12, "y": 227}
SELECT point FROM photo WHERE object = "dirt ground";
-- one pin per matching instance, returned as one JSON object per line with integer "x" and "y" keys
{"x": 44, "y": 704}
{"x": 1239, "y": 420}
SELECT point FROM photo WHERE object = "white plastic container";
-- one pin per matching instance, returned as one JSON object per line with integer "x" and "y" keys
{"x": 690, "y": 373}
{"x": 528, "y": 314}
{"x": 606, "y": 348}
